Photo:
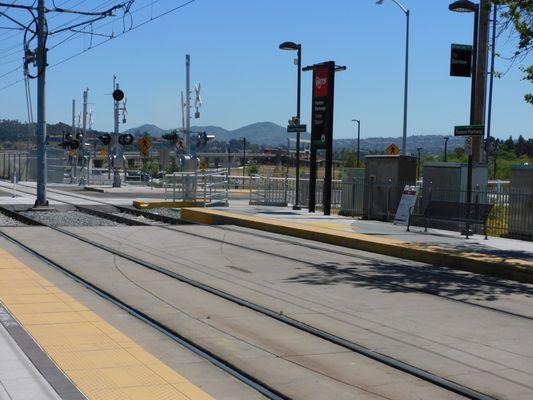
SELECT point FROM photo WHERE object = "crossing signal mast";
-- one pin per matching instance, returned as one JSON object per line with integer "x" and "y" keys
{"x": 119, "y": 140}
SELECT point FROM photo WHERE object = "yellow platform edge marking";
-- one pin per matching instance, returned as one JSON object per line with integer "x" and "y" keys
{"x": 101, "y": 361}
{"x": 520, "y": 270}
{"x": 168, "y": 204}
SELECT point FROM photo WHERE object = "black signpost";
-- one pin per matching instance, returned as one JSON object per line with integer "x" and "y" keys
{"x": 461, "y": 60}
{"x": 322, "y": 129}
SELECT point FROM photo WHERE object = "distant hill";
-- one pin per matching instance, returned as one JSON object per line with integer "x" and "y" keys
{"x": 260, "y": 133}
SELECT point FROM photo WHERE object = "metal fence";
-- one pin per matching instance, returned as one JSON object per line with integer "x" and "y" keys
{"x": 211, "y": 188}
{"x": 511, "y": 214}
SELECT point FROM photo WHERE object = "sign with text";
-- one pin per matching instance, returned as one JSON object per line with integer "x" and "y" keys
{"x": 407, "y": 203}
{"x": 322, "y": 111}
{"x": 469, "y": 130}
{"x": 461, "y": 60}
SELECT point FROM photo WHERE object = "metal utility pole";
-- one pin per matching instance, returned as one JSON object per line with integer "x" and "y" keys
{"x": 358, "y": 140}
{"x": 406, "y": 79}
{"x": 182, "y": 105}
{"x": 418, "y": 169}
{"x": 116, "y": 174}
{"x": 288, "y": 155}
{"x": 446, "y": 149}
{"x": 188, "y": 103}
{"x": 481, "y": 77}
{"x": 491, "y": 81}
{"x": 243, "y": 156}
{"x": 41, "y": 200}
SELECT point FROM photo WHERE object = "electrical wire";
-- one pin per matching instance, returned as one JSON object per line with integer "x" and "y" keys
{"x": 108, "y": 38}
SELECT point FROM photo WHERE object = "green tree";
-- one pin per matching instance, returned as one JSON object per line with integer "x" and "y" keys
{"x": 517, "y": 15}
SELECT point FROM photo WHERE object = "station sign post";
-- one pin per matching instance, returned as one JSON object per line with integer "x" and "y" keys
{"x": 322, "y": 130}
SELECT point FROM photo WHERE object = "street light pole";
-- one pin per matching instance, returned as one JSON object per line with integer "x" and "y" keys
{"x": 468, "y": 6}
{"x": 406, "y": 79}
{"x": 358, "y": 140}
{"x": 418, "y": 169}
{"x": 298, "y": 48}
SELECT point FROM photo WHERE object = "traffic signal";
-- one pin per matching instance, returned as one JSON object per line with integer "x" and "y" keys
{"x": 125, "y": 139}
{"x": 105, "y": 138}
{"x": 79, "y": 136}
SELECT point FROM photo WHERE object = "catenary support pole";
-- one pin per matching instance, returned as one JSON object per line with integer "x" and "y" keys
{"x": 41, "y": 200}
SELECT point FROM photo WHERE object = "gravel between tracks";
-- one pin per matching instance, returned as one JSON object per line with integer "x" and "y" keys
{"x": 167, "y": 212}
{"x": 68, "y": 218}
{"x": 6, "y": 221}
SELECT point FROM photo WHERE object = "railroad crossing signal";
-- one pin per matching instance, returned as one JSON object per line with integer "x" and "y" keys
{"x": 392, "y": 149}
{"x": 204, "y": 165}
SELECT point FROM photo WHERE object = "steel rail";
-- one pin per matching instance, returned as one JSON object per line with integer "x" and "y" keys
{"x": 384, "y": 359}
{"x": 199, "y": 350}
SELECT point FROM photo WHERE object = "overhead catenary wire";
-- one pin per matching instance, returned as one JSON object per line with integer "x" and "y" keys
{"x": 153, "y": 18}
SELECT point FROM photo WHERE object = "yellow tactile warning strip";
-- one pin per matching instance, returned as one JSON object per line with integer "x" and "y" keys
{"x": 520, "y": 270}
{"x": 101, "y": 361}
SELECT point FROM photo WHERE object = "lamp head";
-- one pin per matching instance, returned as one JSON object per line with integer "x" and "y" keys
{"x": 290, "y": 46}
{"x": 463, "y": 6}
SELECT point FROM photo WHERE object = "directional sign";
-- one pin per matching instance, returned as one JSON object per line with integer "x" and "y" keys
{"x": 392, "y": 149}
{"x": 469, "y": 130}
{"x": 461, "y": 60}
{"x": 297, "y": 128}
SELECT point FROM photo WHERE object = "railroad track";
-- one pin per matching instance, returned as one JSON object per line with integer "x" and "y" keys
{"x": 233, "y": 370}
{"x": 307, "y": 245}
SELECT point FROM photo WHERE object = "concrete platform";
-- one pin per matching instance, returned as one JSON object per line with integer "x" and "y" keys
{"x": 466, "y": 328}
{"x": 296, "y": 363}
{"x": 500, "y": 257}
{"x": 105, "y": 353}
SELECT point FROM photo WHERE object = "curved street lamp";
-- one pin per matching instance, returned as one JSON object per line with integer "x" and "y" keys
{"x": 406, "y": 83}
{"x": 466, "y": 6}
{"x": 291, "y": 46}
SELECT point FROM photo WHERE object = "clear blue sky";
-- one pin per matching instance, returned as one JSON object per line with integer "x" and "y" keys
{"x": 246, "y": 79}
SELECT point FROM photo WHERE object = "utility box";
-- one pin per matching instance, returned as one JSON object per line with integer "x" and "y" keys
{"x": 385, "y": 179}
{"x": 353, "y": 184}
{"x": 447, "y": 181}
{"x": 521, "y": 202}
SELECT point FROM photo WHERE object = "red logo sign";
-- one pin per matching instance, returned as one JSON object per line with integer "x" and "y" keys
{"x": 321, "y": 82}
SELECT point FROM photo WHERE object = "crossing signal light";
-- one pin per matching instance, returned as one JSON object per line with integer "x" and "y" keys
{"x": 105, "y": 138}
{"x": 125, "y": 139}
{"x": 118, "y": 95}
{"x": 203, "y": 138}
{"x": 79, "y": 136}
{"x": 171, "y": 137}
{"x": 70, "y": 144}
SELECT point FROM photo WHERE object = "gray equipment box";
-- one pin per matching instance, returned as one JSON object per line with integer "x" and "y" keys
{"x": 521, "y": 202}
{"x": 385, "y": 179}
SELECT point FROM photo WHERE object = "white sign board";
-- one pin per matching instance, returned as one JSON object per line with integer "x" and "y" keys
{"x": 407, "y": 201}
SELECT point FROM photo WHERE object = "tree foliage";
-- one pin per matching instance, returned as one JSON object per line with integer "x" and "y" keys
{"x": 517, "y": 16}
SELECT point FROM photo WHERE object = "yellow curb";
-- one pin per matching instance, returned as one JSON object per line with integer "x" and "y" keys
{"x": 514, "y": 269}
{"x": 102, "y": 362}
{"x": 167, "y": 204}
